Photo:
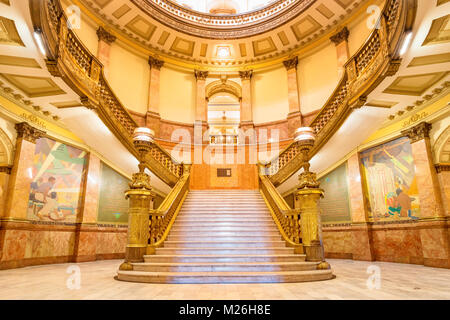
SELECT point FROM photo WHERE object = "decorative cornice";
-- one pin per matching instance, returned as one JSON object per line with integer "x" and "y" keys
{"x": 104, "y": 35}
{"x": 291, "y": 63}
{"x": 442, "y": 167}
{"x": 155, "y": 63}
{"x": 28, "y": 133}
{"x": 201, "y": 75}
{"x": 246, "y": 75}
{"x": 340, "y": 36}
{"x": 418, "y": 132}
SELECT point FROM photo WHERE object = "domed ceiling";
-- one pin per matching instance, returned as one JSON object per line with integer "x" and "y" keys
{"x": 240, "y": 33}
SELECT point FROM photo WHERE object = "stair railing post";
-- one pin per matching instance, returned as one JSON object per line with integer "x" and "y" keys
{"x": 307, "y": 198}
{"x": 140, "y": 196}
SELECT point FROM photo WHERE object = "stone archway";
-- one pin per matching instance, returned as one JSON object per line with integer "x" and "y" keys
{"x": 441, "y": 148}
{"x": 6, "y": 149}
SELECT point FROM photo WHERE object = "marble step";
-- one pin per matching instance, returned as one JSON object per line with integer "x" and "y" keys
{"x": 220, "y": 244}
{"x": 218, "y": 218}
{"x": 214, "y": 258}
{"x": 225, "y": 267}
{"x": 224, "y": 233}
{"x": 214, "y": 229}
{"x": 222, "y": 250}
{"x": 255, "y": 213}
{"x": 225, "y": 277}
{"x": 225, "y": 239}
{"x": 238, "y": 224}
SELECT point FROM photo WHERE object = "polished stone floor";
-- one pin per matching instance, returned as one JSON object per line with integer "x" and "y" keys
{"x": 396, "y": 281}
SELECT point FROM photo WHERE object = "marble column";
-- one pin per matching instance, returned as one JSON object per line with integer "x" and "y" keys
{"x": 201, "y": 109}
{"x": 432, "y": 223}
{"x": 443, "y": 172}
{"x": 153, "y": 118}
{"x": 86, "y": 233}
{"x": 105, "y": 39}
{"x": 20, "y": 180}
{"x": 340, "y": 39}
{"x": 361, "y": 229}
{"x": 295, "y": 116}
{"x": 246, "y": 101}
{"x": 5, "y": 173}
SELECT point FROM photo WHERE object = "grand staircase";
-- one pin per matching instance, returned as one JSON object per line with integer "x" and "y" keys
{"x": 224, "y": 237}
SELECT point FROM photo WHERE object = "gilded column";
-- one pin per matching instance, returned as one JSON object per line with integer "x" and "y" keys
{"x": 86, "y": 235}
{"x": 246, "y": 102}
{"x": 340, "y": 39}
{"x": 20, "y": 180}
{"x": 105, "y": 39}
{"x": 153, "y": 117}
{"x": 295, "y": 116}
{"x": 362, "y": 247}
{"x": 433, "y": 224}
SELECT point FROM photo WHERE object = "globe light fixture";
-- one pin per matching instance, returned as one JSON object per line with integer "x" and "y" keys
{"x": 143, "y": 139}
{"x": 305, "y": 135}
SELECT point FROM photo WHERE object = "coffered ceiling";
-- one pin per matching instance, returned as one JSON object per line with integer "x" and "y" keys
{"x": 131, "y": 21}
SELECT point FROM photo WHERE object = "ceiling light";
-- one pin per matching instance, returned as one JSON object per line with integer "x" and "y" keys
{"x": 406, "y": 43}
{"x": 37, "y": 34}
{"x": 223, "y": 52}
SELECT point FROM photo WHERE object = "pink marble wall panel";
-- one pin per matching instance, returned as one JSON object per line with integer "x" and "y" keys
{"x": 429, "y": 190}
{"x": 111, "y": 242}
{"x": 337, "y": 243}
{"x": 355, "y": 189}
{"x": 444, "y": 182}
{"x": 92, "y": 191}
{"x": 4, "y": 180}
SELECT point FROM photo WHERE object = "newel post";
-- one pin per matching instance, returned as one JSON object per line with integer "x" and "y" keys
{"x": 140, "y": 196}
{"x": 307, "y": 197}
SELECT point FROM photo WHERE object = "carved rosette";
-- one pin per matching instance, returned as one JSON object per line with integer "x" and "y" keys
{"x": 246, "y": 75}
{"x": 105, "y": 36}
{"x": 155, "y": 63}
{"x": 419, "y": 132}
{"x": 28, "y": 133}
{"x": 308, "y": 180}
{"x": 340, "y": 36}
{"x": 201, "y": 75}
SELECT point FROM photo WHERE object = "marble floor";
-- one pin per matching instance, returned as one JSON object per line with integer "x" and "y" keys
{"x": 396, "y": 281}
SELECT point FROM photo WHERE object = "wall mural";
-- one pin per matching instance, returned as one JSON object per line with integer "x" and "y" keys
{"x": 57, "y": 174}
{"x": 390, "y": 181}
{"x": 335, "y": 205}
{"x": 112, "y": 205}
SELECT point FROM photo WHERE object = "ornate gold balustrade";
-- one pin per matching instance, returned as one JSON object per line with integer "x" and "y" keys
{"x": 162, "y": 219}
{"x": 377, "y": 59}
{"x": 69, "y": 59}
{"x": 286, "y": 218}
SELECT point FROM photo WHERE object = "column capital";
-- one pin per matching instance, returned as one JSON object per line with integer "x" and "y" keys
{"x": 291, "y": 63}
{"x": 104, "y": 35}
{"x": 155, "y": 63}
{"x": 201, "y": 75}
{"x": 28, "y": 133}
{"x": 246, "y": 75}
{"x": 418, "y": 132}
{"x": 340, "y": 36}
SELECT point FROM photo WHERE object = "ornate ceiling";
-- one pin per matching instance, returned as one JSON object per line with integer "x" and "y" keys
{"x": 171, "y": 31}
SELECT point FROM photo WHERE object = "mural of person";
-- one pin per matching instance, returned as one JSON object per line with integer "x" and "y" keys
{"x": 42, "y": 191}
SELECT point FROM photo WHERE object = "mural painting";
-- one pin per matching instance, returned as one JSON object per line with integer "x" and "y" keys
{"x": 335, "y": 206}
{"x": 57, "y": 178}
{"x": 390, "y": 181}
{"x": 112, "y": 205}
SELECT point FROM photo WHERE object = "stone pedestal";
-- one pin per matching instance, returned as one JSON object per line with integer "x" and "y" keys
{"x": 310, "y": 224}
{"x": 141, "y": 201}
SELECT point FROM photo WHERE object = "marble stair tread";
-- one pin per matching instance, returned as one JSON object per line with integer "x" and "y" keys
{"x": 226, "y": 277}
{"x": 223, "y": 244}
{"x": 226, "y": 233}
{"x": 225, "y": 239}
{"x": 225, "y": 258}
{"x": 223, "y": 266}
{"x": 225, "y": 250}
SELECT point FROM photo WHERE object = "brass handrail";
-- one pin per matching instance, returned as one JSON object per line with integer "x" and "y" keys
{"x": 373, "y": 62}
{"x": 162, "y": 219}
{"x": 69, "y": 59}
{"x": 286, "y": 218}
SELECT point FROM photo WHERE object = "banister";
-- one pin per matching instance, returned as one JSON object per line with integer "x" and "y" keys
{"x": 162, "y": 219}
{"x": 372, "y": 63}
{"x": 286, "y": 218}
{"x": 69, "y": 59}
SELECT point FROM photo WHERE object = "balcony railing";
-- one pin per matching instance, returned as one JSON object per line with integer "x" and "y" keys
{"x": 374, "y": 61}
{"x": 82, "y": 71}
